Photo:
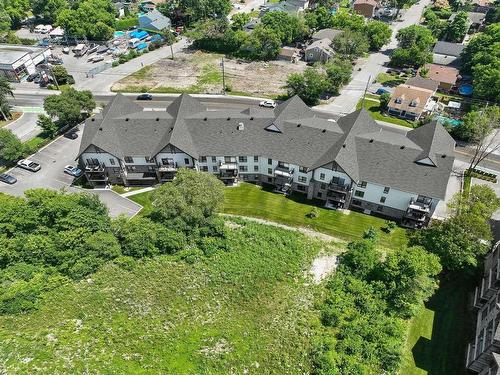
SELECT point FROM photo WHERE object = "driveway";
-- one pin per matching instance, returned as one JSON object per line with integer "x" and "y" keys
{"x": 366, "y": 70}
{"x": 53, "y": 158}
{"x": 25, "y": 127}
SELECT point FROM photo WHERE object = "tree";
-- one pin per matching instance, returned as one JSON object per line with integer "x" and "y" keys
{"x": 47, "y": 125}
{"x": 5, "y": 21}
{"x": 415, "y": 35}
{"x": 410, "y": 57}
{"x": 319, "y": 18}
{"x": 408, "y": 278}
{"x": 460, "y": 240}
{"x": 16, "y": 10}
{"x": 308, "y": 85}
{"x": 239, "y": 20}
{"x": 361, "y": 258}
{"x": 262, "y": 44}
{"x": 61, "y": 75}
{"x": 457, "y": 28}
{"x": 350, "y": 44}
{"x": 195, "y": 10}
{"x": 378, "y": 33}
{"x": 48, "y": 9}
{"x": 5, "y": 90}
{"x": 486, "y": 80}
{"x": 192, "y": 199}
{"x": 70, "y": 107}
{"x": 287, "y": 27}
{"x": 345, "y": 20}
{"x": 400, "y": 4}
{"x": 385, "y": 98}
{"x": 11, "y": 148}
{"x": 338, "y": 73}
{"x": 481, "y": 128}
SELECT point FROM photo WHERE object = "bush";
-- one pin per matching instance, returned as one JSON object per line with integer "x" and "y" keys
{"x": 314, "y": 213}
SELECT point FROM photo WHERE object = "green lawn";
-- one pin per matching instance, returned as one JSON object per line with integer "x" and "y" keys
{"x": 387, "y": 79}
{"x": 373, "y": 106}
{"x": 439, "y": 334}
{"x": 247, "y": 309}
{"x": 251, "y": 200}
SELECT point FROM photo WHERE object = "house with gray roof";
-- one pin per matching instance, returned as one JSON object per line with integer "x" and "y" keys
{"x": 446, "y": 53}
{"x": 320, "y": 50}
{"x": 349, "y": 163}
{"x": 483, "y": 352}
{"x": 154, "y": 20}
{"x": 289, "y": 6}
{"x": 326, "y": 34}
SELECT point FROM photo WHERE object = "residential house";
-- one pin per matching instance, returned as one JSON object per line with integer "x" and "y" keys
{"x": 476, "y": 20}
{"x": 446, "y": 53}
{"x": 349, "y": 163}
{"x": 319, "y": 50}
{"x": 423, "y": 83}
{"x": 289, "y": 6}
{"x": 326, "y": 34}
{"x": 447, "y": 76}
{"x": 366, "y": 8}
{"x": 483, "y": 353}
{"x": 410, "y": 102}
{"x": 155, "y": 21}
{"x": 288, "y": 54}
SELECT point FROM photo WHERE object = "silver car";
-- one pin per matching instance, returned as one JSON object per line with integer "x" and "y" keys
{"x": 29, "y": 165}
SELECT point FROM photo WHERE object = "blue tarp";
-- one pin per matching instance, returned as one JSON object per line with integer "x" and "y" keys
{"x": 156, "y": 38}
{"x": 141, "y": 46}
{"x": 139, "y": 34}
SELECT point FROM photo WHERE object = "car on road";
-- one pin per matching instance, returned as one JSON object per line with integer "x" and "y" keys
{"x": 29, "y": 165}
{"x": 7, "y": 178}
{"x": 73, "y": 171}
{"x": 268, "y": 104}
{"x": 145, "y": 97}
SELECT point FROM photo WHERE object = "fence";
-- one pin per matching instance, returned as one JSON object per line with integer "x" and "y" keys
{"x": 98, "y": 69}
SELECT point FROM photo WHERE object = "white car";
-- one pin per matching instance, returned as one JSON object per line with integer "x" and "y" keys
{"x": 268, "y": 104}
{"x": 73, "y": 171}
{"x": 28, "y": 165}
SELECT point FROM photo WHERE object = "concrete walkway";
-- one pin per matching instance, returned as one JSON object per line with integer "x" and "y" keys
{"x": 366, "y": 70}
{"x": 135, "y": 192}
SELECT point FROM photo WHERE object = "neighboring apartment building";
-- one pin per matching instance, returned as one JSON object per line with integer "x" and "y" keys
{"x": 350, "y": 163}
{"x": 410, "y": 102}
{"x": 483, "y": 353}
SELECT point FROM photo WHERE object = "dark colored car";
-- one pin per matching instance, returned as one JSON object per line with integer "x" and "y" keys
{"x": 71, "y": 135}
{"x": 145, "y": 97}
{"x": 7, "y": 178}
{"x": 382, "y": 91}
{"x": 31, "y": 77}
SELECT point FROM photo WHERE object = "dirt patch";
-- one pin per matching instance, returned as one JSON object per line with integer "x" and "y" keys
{"x": 323, "y": 266}
{"x": 199, "y": 72}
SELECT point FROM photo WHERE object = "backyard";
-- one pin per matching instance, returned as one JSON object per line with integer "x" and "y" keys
{"x": 200, "y": 72}
{"x": 372, "y": 105}
{"x": 254, "y": 201}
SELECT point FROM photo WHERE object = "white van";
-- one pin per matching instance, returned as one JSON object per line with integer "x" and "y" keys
{"x": 80, "y": 49}
{"x": 132, "y": 43}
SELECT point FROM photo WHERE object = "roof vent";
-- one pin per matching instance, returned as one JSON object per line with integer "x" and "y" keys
{"x": 371, "y": 141}
{"x": 170, "y": 130}
{"x": 205, "y": 119}
{"x": 126, "y": 119}
{"x": 100, "y": 129}
{"x": 343, "y": 146}
{"x": 402, "y": 147}
{"x": 251, "y": 118}
{"x": 298, "y": 125}
{"x": 157, "y": 119}
{"x": 241, "y": 126}
{"x": 229, "y": 118}
{"x": 93, "y": 119}
{"x": 443, "y": 156}
{"x": 323, "y": 131}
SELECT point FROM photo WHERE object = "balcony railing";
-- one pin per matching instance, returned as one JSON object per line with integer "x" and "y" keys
{"x": 339, "y": 187}
{"x": 99, "y": 168}
{"x": 419, "y": 206}
{"x": 167, "y": 167}
{"x": 283, "y": 171}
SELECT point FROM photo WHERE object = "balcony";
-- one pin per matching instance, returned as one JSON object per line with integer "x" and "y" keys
{"x": 419, "y": 206}
{"x": 95, "y": 168}
{"x": 339, "y": 187}
{"x": 167, "y": 167}
{"x": 283, "y": 171}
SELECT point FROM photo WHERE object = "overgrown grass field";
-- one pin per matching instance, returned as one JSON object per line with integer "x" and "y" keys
{"x": 245, "y": 310}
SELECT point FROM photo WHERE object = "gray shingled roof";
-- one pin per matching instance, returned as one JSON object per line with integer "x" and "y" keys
{"x": 424, "y": 83}
{"x": 326, "y": 34}
{"x": 361, "y": 147}
{"x": 447, "y": 48}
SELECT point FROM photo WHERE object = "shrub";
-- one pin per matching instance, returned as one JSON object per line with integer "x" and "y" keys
{"x": 314, "y": 213}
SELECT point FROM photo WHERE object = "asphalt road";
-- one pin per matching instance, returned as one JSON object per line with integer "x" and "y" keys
{"x": 25, "y": 127}
{"x": 53, "y": 158}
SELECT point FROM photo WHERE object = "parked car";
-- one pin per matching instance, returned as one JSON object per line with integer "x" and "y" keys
{"x": 72, "y": 134}
{"x": 381, "y": 91}
{"x": 32, "y": 77}
{"x": 97, "y": 59}
{"x": 73, "y": 171}
{"x": 268, "y": 104}
{"x": 29, "y": 165}
{"x": 7, "y": 178}
{"x": 93, "y": 48}
{"x": 145, "y": 97}
{"x": 65, "y": 50}
{"x": 102, "y": 49}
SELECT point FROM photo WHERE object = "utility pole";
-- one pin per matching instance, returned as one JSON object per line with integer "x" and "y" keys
{"x": 366, "y": 89}
{"x": 223, "y": 77}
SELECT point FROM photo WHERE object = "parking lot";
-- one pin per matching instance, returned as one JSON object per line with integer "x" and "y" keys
{"x": 53, "y": 158}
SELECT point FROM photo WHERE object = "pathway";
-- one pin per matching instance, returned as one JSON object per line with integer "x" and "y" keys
{"x": 367, "y": 69}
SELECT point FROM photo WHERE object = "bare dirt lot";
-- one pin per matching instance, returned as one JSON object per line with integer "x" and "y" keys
{"x": 199, "y": 72}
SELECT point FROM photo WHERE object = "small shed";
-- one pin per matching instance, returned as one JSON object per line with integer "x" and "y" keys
{"x": 288, "y": 54}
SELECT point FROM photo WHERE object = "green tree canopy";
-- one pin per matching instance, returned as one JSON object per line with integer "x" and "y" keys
{"x": 70, "y": 107}
{"x": 415, "y": 36}
{"x": 350, "y": 44}
{"x": 457, "y": 28}
{"x": 48, "y": 9}
{"x": 309, "y": 86}
{"x": 378, "y": 33}
{"x": 262, "y": 44}
{"x": 287, "y": 27}
{"x": 239, "y": 20}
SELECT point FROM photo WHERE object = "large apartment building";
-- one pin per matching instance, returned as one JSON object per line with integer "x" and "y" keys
{"x": 350, "y": 163}
{"x": 483, "y": 353}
